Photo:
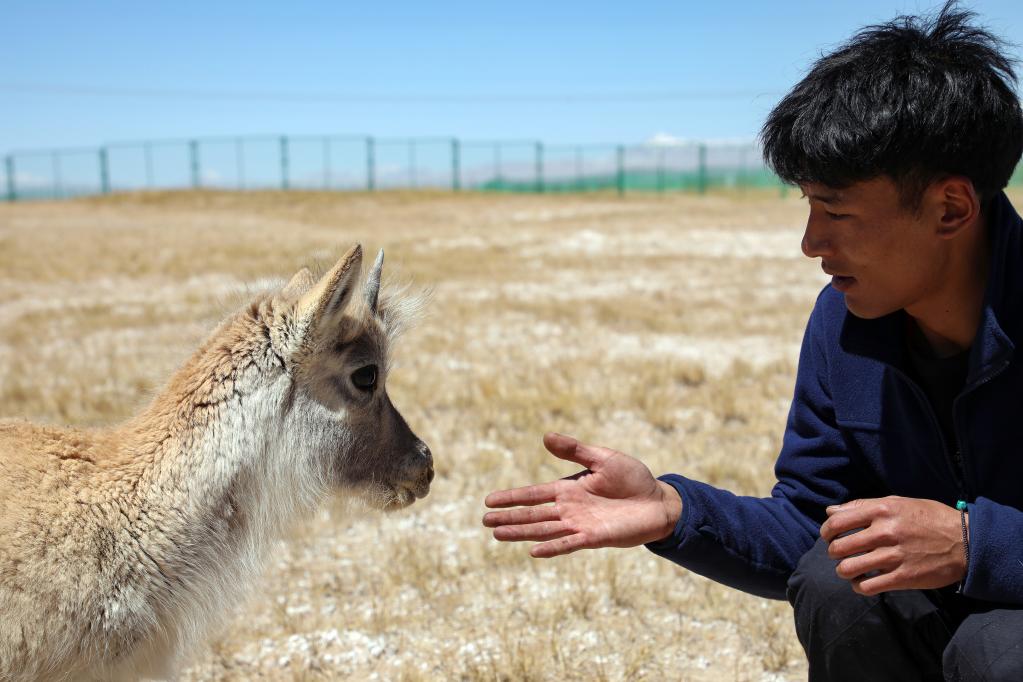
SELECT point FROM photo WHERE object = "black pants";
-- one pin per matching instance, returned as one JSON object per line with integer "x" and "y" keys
{"x": 904, "y": 635}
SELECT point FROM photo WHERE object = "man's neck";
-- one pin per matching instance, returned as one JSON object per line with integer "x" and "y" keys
{"x": 949, "y": 318}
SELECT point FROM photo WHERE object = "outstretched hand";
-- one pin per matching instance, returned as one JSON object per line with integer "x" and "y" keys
{"x": 614, "y": 502}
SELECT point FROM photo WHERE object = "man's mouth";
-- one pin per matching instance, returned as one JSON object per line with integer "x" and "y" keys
{"x": 840, "y": 282}
{"x": 843, "y": 284}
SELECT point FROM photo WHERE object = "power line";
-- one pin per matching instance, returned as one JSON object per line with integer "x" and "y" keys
{"x": 380, "y": 98}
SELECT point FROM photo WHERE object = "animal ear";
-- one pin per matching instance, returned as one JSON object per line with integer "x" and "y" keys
{"x": 322, "y": 305}
{"x": 299, "y": 284}
{"x": 372, "y": 290}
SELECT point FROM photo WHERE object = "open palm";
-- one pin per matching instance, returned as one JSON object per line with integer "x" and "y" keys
{"x": 614, "y": 502}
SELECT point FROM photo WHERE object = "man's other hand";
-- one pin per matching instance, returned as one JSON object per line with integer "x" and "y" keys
{"x": 614, "y": 502}
{"x": 899, "y": 543}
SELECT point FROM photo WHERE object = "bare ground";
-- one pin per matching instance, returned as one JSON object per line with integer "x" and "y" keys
{"x": 667, "y": 327}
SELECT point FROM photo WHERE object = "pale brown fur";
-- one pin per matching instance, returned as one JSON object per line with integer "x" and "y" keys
{"x": 123, "y": 547}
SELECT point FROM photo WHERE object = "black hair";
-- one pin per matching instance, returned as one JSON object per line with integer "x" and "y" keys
{"x": 915, "y": 99}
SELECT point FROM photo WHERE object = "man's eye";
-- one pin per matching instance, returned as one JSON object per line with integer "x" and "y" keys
{"x": 837, "y": 216}
{"x": 365, "y": 378}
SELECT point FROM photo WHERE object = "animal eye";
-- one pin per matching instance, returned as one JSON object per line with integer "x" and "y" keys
{"x": 365, "y": 378}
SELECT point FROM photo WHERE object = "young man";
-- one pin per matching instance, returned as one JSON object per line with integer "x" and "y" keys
{"x": 896, "y": 525}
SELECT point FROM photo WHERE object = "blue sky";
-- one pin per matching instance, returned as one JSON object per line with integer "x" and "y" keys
{"x": 84, "y": 73}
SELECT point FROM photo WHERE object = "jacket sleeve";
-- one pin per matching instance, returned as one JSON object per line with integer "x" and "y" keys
{"x": 753, "y": 544}
{"x": 995, "y": 572}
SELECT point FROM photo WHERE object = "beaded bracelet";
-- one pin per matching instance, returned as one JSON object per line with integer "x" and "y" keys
{"x": 961, "y": 506}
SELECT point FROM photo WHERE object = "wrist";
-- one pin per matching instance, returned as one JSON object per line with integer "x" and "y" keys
{"x": 964, "y": 517}
{"x": 671, "y": 504}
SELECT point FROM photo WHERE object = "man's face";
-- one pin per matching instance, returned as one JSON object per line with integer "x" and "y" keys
{"x": 883, "y": 256}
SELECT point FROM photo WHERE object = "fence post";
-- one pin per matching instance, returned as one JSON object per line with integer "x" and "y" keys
{"x": 743, "y": 180}
{"x": 104, "y": 171}
{"x": 456, "y": 165}
{"x": 284, "y": 179}
{"x": 148, "y": 150}
{"x": 239, "y": 159}
{"x": 371, "y": 171}
{"x": 497, "y": 166}
{"x": 12, "y": 187}
{"x": 326, "y": 163}
{"x": 620, "y": 175}
{"x": 661, "y": 153}
{"x": 412, "y": 162}
{"x": 539, "y": 168}
{"x": 701, "y": 178}
{"x": 193, "y": 154}
{"x": 578, "y": 184}
{"x": 58, "y": 184}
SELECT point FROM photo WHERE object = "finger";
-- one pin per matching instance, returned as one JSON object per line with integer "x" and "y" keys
{"x": 854, "y": 504}
{"x": 566, "y": 447}
{"x": 521, "y": 515}
{"x": 845, "y": 506}
{"x": 538, "y": 532}
{"x": 858, "y": 542}
{"x": 875, "y": 584}
{"x": 565, "y": 545}
{"x": 856, "y": 567}
{"x": 848, "y": 518}
{"x": 527, "y": 495}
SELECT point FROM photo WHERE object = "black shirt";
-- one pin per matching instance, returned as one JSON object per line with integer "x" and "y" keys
{"x": 941, "y": 379}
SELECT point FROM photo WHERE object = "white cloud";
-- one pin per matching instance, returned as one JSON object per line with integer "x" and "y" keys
{"x": 662, "y": 139}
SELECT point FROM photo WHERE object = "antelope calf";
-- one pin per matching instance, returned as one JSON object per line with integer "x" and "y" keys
{"x": 121, "y": 548}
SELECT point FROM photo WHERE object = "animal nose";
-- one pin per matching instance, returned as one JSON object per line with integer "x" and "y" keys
{"x": 424, "y": 452}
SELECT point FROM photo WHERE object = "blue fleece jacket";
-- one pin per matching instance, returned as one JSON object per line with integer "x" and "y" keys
{"x": 859, "y": 427}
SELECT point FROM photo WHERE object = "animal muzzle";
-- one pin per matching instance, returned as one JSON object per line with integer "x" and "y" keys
{"x": 417, "y": 472}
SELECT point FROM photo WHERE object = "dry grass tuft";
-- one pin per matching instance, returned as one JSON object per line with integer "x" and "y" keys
{"x": 667, "y": 327}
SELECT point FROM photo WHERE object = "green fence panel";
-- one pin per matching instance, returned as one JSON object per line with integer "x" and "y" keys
{"x": 359, "y": 162}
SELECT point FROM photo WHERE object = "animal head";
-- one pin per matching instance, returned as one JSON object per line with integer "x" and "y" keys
{"x": 334, "y": 336}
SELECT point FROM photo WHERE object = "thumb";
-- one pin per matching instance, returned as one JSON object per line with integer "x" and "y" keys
{"x": 566, "y": 447}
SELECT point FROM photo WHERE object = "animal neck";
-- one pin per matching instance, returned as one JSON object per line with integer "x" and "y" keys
{"x": 207, "y": 457}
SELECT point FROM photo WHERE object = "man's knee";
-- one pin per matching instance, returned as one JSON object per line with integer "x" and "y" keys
{"x": 987, "y": 646}
{"x": 848, "y": 636}
{"x": 824, "y": 604}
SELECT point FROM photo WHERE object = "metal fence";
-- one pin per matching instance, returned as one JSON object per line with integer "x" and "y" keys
{"x": 346, "y": 162}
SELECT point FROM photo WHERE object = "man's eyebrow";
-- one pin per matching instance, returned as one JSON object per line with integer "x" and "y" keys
{"x": 833, "y": 198}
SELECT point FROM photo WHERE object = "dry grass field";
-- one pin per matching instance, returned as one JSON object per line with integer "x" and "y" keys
{"x": 667, "y": 327}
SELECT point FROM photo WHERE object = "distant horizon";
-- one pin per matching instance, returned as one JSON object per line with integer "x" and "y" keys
{"x": 77, "y": 75}
{"x": 659, "y": 139}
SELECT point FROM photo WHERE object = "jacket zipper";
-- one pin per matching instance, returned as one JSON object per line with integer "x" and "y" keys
{"x": 956, "y": 461}
{"x": 957, "y": 472}
{"x": 962, "y": 456}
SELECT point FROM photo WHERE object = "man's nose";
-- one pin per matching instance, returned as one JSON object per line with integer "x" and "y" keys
{"x": 816, "y": 240}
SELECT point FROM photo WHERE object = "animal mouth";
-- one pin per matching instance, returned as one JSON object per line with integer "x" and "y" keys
{"x": 402, "y": 495}
{"x": 397, "y": 498}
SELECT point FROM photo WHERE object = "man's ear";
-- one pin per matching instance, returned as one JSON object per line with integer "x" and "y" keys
{"x": 958, "y": 205}
{"x": 321, "y": 306}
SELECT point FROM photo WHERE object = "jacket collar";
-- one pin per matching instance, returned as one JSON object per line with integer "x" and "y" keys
{"x": 882, "y": 338}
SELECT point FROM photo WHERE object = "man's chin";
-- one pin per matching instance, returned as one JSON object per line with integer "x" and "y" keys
{"x": 866, "y": 311}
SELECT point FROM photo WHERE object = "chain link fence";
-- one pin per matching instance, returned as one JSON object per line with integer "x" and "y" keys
{"x": 362, "y": 163}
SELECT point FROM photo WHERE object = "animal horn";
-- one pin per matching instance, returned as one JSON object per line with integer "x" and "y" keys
{"x": 373, "y": 283}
